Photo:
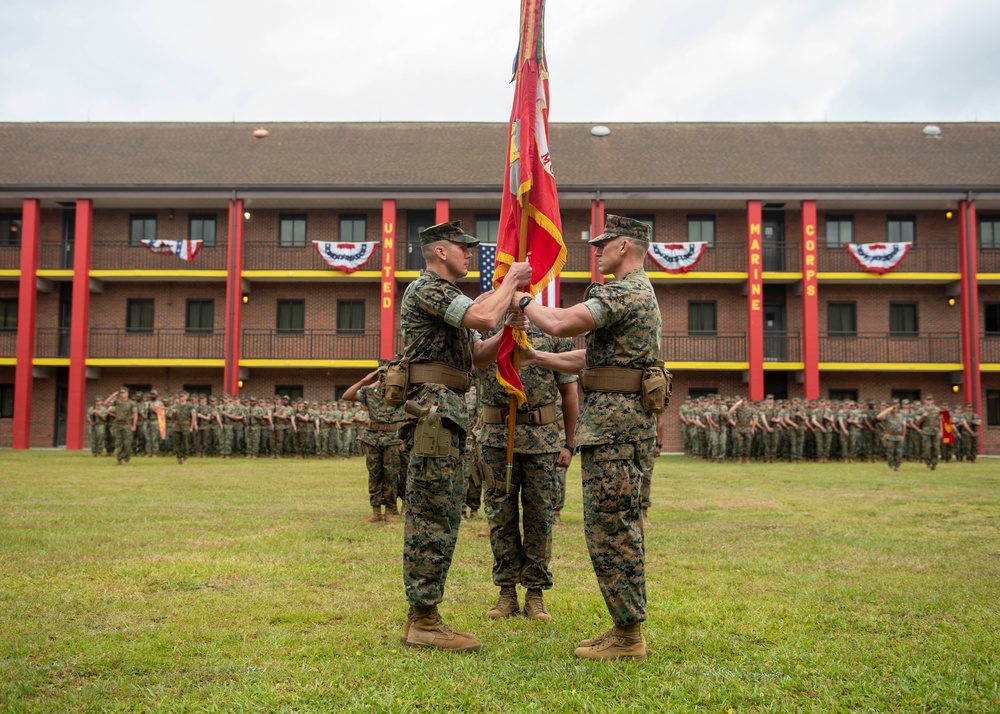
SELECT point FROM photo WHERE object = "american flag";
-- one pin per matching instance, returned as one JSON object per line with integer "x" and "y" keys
{"x": 487, "y": 262}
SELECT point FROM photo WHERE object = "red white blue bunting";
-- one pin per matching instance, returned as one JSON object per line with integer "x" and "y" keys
{"x": 346, "y": 257}
{"x": 878, "y": 257}
{"x": 183, "y": 249}
{"x": 676, "y": 257}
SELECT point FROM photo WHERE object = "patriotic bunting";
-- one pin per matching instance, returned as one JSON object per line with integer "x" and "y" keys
{"x": 676, "y": 257}
{"x": 878, "y": 257}
{"x": 346, "y": 257}
{"x": 183, "y": 249}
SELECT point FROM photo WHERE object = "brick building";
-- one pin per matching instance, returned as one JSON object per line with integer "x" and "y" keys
{"x": 775, "y": 305}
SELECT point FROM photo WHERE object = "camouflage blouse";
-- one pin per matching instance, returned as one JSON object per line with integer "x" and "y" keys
{"x": 378, "y": 411}
{"x": 627, "y": 335}
{"x": 431, "y": 313}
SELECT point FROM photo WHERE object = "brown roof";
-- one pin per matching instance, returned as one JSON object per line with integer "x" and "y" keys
{"x": 471, "y": 155}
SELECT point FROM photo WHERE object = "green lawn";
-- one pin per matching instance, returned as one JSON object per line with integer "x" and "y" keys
{"x": 256, "y": 586}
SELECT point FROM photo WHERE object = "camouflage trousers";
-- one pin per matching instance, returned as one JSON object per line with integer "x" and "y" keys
{"x": 435, "y": 491}
{"x": 323, "y": 441}
{"x": 796, "y": 438}
{"x": 383, "y": 473}
{"x": 970, "y": 447}
{"x": 771, "y": 439}
{"x": 520, "y": 559}
{"x": 152, "y": 428}
{"x": 123, "y": 441}
{"x": 560, "y": 498}
{"x": 931, "y": 446}
{"x": 253, "y": 440}
{"x": 824, "y": 441}
{"x": 97, "y": 438}
{"x": 181, "y": 441}
{"x": 741, "y": 442}
{"x": 612, "y": 479}
{"x": 893, "y": 451}
{"x": 226, "y": 440}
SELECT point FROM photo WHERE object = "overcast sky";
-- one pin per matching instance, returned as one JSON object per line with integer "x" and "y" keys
{"x": 449, "y": 60}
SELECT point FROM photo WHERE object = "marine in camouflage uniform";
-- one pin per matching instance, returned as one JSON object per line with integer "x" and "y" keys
{"x": 894, "y": 424}
{"x": 182, "y": 418}
{"x": 742, "y": 413}
{"x": 540, "y": 440}
{"x": 126, "y": 416}
{"x": 380, "y": 442}
{"x": 929, "y": 423}
{"x": 97, "y": 417}
{"x": 617, "y": 437}
{"x": 438, "y": 322}
{"x": 970, "y": 442}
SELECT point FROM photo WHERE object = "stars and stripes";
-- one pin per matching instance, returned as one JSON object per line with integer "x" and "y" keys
{"x": 184, "y": 249}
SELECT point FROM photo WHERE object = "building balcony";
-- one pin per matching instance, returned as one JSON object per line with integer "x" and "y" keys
{"x": 8, "y": 344}
{"x": 693, "y": 349}
{"x": 120, "y": 255}
{"x": 308, "y": 345}
{"x": 782, "y": 346}
{"x": 10, "y": 257}
{"x": 988, "y": 260}
{"x": 174, "y": 345}
{"x": 922, "y": 258}
{"x": 55, "y": 256}
{"x": 267, "y": 255}
{"x": 716, "y": 259}
{"x": 989, "y": 349}
{"x": 942, "y": 348}
{"x": 52, "y": 342}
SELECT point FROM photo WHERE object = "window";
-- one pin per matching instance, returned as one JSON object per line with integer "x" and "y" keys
{"x": 143, "y": 227}
{"x": 841, "y": 318}
{"x": 839, "y": 231}
{"x": 6, "y": 401}
{"x": 293, "y": 231}
{"x": 139, "y": 315}
{"x": 991, "y": 316}
{"x": 339, "y": 392}
{"x": 292, "y": 391}
{"x": 989, "y": 231}
{"x": 205, "y": 389}
{"x": 291, "y": 316}
{"x": 133, "y": 388}
{"x": 352, "y": 229}
{"x": 201, "y": 226}
{"x": 841, "y": 395}
{"x": 898, "y": 395}
{"x": 696, "y": 392}
{"x": 902, "y": 318}
{"x": 648, "y": 220}
{"x": 350, "y": 316}
{"x": 200, "y": 316}
{"x": 901, "y": 229}
{"x": 8, "y": 314}
{"x": 701, "y": 228}
{"x": 992, "y": 407}
{"x": 701, "y": 317}
{"x": 10, "y": 229}
{"x": 487, "y": 228}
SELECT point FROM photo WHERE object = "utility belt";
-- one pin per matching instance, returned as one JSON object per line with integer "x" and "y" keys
{"x": 545, "y": 414}
{"x": 383, "y": 426}
{"x": 440, "y": 373}
{"x": 654, "y": 384}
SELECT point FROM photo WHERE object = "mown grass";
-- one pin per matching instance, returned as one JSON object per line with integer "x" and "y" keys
{"x": 255, "y": 586}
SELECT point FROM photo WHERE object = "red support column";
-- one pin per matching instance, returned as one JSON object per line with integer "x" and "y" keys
{"x": 969, "y": 301}
{"x": 441, "y": 208}
{"x": 26, "y": 302}
{"x": 234, "y": 299}
{"x": 76, "y": 406}
{"x": 810, "y": 303}
{"x": 755, "y": 301}
{"x": 387, "y": 326}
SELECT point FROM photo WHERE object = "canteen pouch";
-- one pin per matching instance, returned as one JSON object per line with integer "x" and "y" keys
{"x": 657, "y": 388}
{"x": 431, "y": 438}
{"x": 395, "y": 382}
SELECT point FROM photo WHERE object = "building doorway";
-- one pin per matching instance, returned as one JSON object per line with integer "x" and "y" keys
{"x": 416, "y": 221}
{"x": 774, "y": 333}
{"x": 773, "y": 227}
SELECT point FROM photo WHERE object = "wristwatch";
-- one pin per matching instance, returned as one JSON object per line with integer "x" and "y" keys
{"x": 571, "y": 449}
{"x": 524, "y": 302}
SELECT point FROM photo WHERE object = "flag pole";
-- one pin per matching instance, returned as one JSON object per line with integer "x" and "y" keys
{"x": 522, "y": 254}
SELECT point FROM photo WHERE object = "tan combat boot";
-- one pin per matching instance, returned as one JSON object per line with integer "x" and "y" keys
{"x": 621, "y": 643}
{"x": 428, "y": 630}
{"x": 534, "y": 606}
{"x": 390, "y": 514}
{"x": 645, "y": 517}
{"x": 507, "y": 604}
{"x": 595, "y": 640}
{"x": 376, "y": 516}
{"x": 557, "y": 518}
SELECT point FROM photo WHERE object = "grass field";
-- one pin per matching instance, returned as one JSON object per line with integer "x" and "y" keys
{"x": 255, "y": 586}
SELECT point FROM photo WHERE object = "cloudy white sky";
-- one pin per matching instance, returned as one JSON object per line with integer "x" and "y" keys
{"x": 443, "y": 60}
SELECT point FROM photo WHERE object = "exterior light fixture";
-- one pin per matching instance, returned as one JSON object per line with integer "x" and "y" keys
{"x": 246, "y": 215}
{"x": 955, "y": 388}
{"x": 240, "y": 384}
{"x": 246, "y": 298}
{"x": 949, "y": 215}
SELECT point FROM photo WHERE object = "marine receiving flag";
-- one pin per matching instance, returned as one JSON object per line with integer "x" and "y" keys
{"x": 530, "y": 226}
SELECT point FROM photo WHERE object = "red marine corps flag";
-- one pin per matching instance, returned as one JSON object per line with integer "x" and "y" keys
{"x": 530, "y": 227}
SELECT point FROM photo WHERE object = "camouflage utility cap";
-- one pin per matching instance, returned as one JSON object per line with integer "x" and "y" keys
{"x": 615, "y": 226}
{"x": 447, "y": 231}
